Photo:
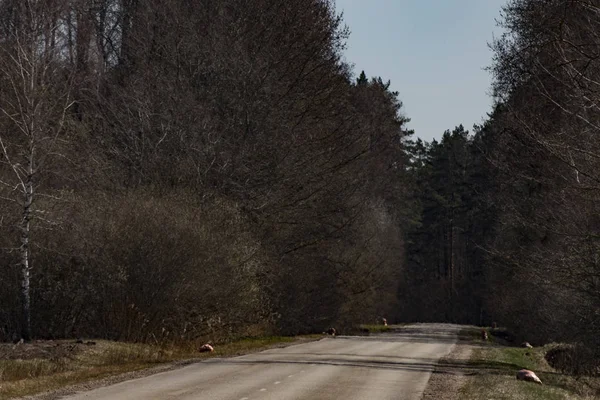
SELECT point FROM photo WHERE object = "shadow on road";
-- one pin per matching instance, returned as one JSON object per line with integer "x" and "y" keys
{"x": 400, "y": 337}
{"x": 427, "y": 333}
{"x": 454, "y": 367}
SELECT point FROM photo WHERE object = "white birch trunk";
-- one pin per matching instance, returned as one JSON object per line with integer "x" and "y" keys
{"x": 25, "y": 252}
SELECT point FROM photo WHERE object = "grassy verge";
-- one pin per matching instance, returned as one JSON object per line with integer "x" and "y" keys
{"x": 374, "y": 328}
{"x": 492, "y": 375}
{"x": 22, "y": 377}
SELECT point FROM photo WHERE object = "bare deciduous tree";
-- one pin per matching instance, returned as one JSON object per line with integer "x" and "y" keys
{"x": 34, "y": 113}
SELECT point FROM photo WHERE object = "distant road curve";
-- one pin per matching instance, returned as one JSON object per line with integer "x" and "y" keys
{"x": 394, "y": 365}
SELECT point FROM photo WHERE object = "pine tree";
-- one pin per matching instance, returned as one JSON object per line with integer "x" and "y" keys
{"x": 362, "y": 79}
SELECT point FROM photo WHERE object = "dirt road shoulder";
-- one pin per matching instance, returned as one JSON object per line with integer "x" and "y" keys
{"x": 451, "y": 374}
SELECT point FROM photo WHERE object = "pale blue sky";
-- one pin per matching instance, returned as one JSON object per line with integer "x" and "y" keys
{"x": 433, "y": 51}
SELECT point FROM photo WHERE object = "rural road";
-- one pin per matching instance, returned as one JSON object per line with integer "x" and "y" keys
{"x": 393, "y": 365}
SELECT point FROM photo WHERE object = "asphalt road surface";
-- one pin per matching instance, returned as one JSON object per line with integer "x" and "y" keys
{"x": 393, "y": 365}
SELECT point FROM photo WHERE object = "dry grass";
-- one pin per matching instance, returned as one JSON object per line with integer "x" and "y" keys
{"x": 493, "y": 367}
{"x": 28, "y": 376}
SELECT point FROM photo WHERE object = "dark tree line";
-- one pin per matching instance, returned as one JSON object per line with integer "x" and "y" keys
{"x": 444, "y": 272}
{"x": 183, "y": 169}
{"x": 507, "y": 227}
{"x": 547, "y": 72}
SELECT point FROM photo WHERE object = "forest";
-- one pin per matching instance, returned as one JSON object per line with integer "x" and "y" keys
{"x": 189, "y": 169}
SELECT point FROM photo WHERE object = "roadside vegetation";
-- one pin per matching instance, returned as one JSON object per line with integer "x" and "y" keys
{"x": 491, "y": 372}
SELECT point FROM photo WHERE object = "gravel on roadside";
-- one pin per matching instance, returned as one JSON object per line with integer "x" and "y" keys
{"x": 450, "y": 374}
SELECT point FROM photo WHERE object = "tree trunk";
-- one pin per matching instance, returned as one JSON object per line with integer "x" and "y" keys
{"x": 25, "y": 252}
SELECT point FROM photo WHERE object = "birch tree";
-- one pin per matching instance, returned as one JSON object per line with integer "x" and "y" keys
{"x": 34, "y": 103}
